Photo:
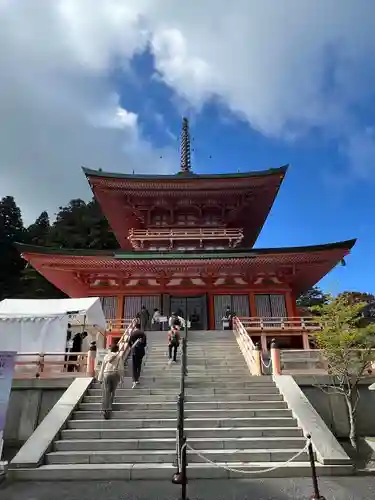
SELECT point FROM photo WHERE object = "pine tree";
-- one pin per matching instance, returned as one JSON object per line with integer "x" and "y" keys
{"x": 37, "y": 233}
{"x": 11, "y": 231}
{"x": 314, "y": 296}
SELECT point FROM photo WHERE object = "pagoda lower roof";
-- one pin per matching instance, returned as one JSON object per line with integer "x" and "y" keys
{"x": 182, "y": 176}
{"x": 299, "y": 267}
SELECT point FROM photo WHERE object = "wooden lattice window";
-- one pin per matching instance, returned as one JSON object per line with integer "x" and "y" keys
{"x": 160, "y": 219}
{"x": 186, "y": 219}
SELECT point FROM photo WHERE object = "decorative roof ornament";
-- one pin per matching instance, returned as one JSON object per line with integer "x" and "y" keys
{"x": 185, "y": 153}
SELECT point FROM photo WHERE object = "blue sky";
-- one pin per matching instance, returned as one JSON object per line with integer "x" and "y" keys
{"x": 314, "y": 205}
{"x": 105, "y": 83}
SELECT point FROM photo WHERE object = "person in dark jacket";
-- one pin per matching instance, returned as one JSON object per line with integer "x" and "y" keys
{"x": 229, "y": 315}
{"x": 76, "y": 347}
{"x": 173, "y": 343}
{"x": 138, "y": 344}
{"x": 144, "y": 317}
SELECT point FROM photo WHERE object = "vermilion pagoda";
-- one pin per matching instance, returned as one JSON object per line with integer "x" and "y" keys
{"x": 187, "y": 244}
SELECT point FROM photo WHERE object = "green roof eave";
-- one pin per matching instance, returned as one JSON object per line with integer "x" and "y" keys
{"x": 25, "y": 248}
{"x": 187, "y": 254}
{"x": 179, "y": 176}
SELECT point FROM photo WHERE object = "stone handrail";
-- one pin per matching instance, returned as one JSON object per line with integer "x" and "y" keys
{"x": 313, "y": 361}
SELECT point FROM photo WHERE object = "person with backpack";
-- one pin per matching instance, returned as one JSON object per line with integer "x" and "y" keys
{"x": 138, "y": 344}
{"x": 176, "y": 320}
{"x": 173, "y": 343}
{"x": 111, "y": 372}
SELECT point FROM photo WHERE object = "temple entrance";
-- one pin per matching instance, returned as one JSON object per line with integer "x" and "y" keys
{"x": 192, "y": 308}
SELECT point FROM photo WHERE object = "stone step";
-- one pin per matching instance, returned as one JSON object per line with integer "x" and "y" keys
{"x": 220, "y": 371}
{"x": 208, "y": 385}
{"x": 126, "y": 472}
{"x": 169, "y": 456}
{"x": 85, "y": 413}
{"x": 191, "y": 432}
{"x": 176, "y": 367}
{"x": 137, "y": 423}
{"x": 222, "y": 361}
{"x": 94, "y": 403}
{"x": 144, "y": 397}
{"x": 225, "y": 393}
{"x": 200, "y": 443}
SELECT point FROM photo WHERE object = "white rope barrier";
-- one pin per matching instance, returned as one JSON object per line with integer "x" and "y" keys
{"x": 238, "y": 471}
{"x": 266, "y": 365}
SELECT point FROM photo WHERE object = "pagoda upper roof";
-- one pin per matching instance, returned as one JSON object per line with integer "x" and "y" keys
{"x": 183, "y": 176}
{"x": 301, "y": 267}
{"x": 127, "y": 200}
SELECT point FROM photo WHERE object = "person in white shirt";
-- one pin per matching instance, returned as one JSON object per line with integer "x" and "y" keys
{"x": 176, "y": 320}
{"x": 111, "y": 372}
{"x": 156, "y": 320}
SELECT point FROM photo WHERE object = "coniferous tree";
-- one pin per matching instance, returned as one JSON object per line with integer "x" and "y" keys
{"x": 314, "y": 296}
{"x": 81, "y": 225}
{"x": 11, "y": 231}
{"x": 37, "y": 233}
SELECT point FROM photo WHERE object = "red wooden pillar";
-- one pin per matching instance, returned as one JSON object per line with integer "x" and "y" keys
{"x": 252, "y": 305}
{"x": 211, "y": 312}
{"x": 120, "y": 308}
{"x": 290, "y": 306}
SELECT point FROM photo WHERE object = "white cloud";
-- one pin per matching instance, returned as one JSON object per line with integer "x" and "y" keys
{"x": 284, "y": 66}
{"x": 360, "y": 150}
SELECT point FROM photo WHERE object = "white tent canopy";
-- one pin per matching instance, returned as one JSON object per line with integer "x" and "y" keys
{"x": 40, "y": 325}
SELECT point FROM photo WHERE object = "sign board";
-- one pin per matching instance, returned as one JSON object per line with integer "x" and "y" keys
{"x": 163, "y": 319}
{"x": 100, "y": 353}
{"x": 7, "y": 363}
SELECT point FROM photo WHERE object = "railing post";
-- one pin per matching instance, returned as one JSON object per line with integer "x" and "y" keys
{"x": 91, "y": 357}
{"x": 305, "y": 341}
{"x": 40, "y": 365}
{"x": 275, "y": 357}
{"x": 183, "y": 470}
{"x": 180, "y": 477}
{"x": 257, "y": 360}
{"x": 316, "y": 495}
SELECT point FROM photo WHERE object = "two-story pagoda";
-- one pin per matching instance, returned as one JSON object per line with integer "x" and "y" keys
{"x": 187, "y": 245}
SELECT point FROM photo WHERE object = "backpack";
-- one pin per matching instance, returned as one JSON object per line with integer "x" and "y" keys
{"x": 176, "y": 322}
{"x": 174, "y": 338}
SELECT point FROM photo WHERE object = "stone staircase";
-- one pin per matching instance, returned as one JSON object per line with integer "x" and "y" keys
{"x": 233, "y": 419}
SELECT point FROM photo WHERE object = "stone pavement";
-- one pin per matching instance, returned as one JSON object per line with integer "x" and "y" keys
{"x": 346, "y": 488}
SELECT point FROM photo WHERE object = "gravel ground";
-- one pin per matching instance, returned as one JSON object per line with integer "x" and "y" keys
{"x": 349, "y": 488}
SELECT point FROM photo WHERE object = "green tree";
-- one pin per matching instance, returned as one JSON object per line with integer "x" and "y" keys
{"x": 314, "y": 296}
{"x": 346, "y": 345}
{"x": 32, "y": 284}
{"x": 78, "y": 225}
{"x": 81, "y": 225}
{"x": 356, "y": 297}
{"x": 37, "y": 233}
{"x": 11, "y": 231}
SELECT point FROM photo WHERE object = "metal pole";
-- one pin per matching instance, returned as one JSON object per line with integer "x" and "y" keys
{"x": 183, "y": 470}
{"x": 183, "y": 366}
{"x": 316, "y": 495}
